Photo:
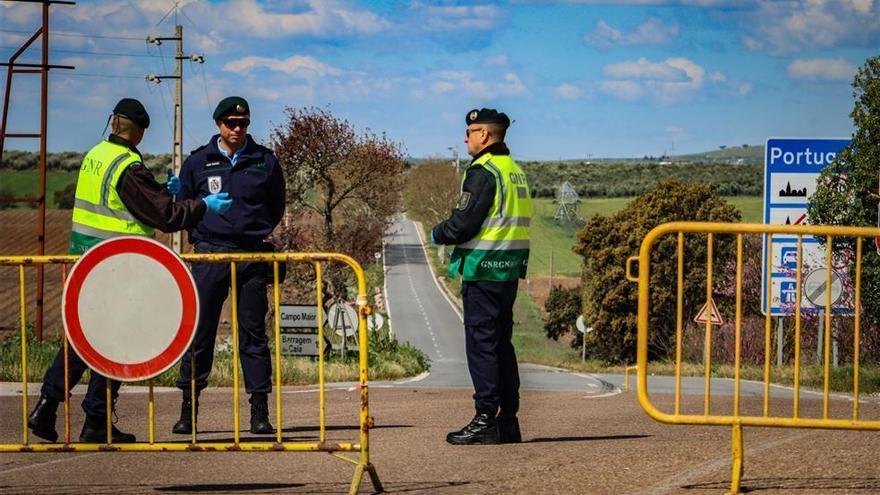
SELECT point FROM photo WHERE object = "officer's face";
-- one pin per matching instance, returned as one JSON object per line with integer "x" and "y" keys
{"x": 476, "y": 137}
{"x": 233, "y": 129}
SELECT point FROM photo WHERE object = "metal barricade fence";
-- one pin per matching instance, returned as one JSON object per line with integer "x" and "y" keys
{"x": 361, "y": 446}
{"x": 737, "y": 419}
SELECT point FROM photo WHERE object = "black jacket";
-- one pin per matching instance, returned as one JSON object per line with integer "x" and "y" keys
{"x": 255, "y": 185}
{"x": 150, "y": 202}
{"x": 477, "y": 196}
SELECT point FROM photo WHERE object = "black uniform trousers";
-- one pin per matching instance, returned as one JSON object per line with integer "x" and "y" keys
{"x": 488, "y": 321}
{"x": 95, "y": 402}
{"x": 213, "y": 281}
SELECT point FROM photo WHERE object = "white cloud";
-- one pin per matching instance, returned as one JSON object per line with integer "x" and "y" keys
{"x": 457, "y": 17}
{"x": 299, "y": 66}
{"x": 824, "y": 69}
{"x": 447, "y": 81}
{"x": 496, "y": 61}
{"x": 568, "y": 91}
{"x": 790, "y": 27}
{"x": 625, "y": 90}
{"x": 650, "y": 32}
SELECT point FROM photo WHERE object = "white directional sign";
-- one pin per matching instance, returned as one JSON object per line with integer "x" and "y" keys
{"x": 375, "y": 321}
{"x": 301, "y": 344}
{"x": 791, "y": 170}
{"x": 296, "y": 316}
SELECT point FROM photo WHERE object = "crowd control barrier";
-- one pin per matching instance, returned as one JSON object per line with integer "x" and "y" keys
{"x": 758, "y": 414}
{"x": 359, "y": 446}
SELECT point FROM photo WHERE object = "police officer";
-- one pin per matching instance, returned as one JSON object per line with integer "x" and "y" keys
{"x": 232, "y": 162}
{"x": 115, "y": 195}
{"x": 490, "y": 230}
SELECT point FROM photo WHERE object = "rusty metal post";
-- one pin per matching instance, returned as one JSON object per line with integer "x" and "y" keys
{"x": 41, "y": 192}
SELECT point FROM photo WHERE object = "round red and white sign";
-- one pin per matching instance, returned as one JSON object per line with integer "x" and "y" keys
{"x": 130, "y": 308}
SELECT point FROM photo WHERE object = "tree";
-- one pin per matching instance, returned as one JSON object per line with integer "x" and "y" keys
{"x": 610, "y": 302}
{"x": 847, "y": 191}
{"x": 431, "y": 191}
{"x": 563, "y": 306}
{"x": 343, "y": 187}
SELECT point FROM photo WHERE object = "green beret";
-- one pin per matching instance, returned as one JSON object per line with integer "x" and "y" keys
{"x": 133, "y": 110}
{"x": 231, "y": 105}
{"x": 487, "y": 116}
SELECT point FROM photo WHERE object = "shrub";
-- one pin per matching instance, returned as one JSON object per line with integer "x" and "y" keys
{"x": 563, "y": 306}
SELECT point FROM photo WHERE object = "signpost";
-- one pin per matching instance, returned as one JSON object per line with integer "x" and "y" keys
{"x": 791, "y": 170}
{"x": 130, "y": 308}
{"x": 584, "y": 329}
{"x": 709, "y": 314}
{"x": 300, "y": 342}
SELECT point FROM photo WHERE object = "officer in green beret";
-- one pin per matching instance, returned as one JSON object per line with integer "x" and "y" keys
{"x": 490, "y": 231}
{"x": 232, "y": 161}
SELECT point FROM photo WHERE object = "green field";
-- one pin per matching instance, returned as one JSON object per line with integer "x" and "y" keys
{"x": 550, "y": 237}
{"x": 23, "y": 184}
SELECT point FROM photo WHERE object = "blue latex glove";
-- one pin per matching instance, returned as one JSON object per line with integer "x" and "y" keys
{"x": 432, "y": 238}
{"x": 173, "y": 184}
{"x": 218, "y": 203}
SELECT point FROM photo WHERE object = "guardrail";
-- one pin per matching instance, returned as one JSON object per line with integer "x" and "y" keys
{"x": 338, "y": 449}
{"x": 737, "y": 419}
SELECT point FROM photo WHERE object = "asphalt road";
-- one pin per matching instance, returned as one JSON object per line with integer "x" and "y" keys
{"x": 423, "y": 316}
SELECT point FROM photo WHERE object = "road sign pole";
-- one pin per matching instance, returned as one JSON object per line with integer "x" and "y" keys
{"x": 779, "y": 339}
{"x": 821, "y": 336}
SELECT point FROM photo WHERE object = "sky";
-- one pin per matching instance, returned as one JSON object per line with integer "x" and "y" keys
{"x": 580, "y": 79}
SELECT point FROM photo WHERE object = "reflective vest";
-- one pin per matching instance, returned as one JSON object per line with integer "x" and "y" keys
{"x": 500, "y": 250}
{"x": 98, "y": 212}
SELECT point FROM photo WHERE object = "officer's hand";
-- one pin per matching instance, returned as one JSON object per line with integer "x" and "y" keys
{"x": 173, "y": 184}
{"x": 218, "y": 203}
{"x": 432, "y": 238}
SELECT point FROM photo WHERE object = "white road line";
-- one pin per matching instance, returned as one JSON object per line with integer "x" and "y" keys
{"x": 53, "y": 461}
{"x": 385, "y": 290}
{"x": 433, "y": 277}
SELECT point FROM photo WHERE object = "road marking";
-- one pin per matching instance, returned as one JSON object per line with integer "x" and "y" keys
{"x": 433, "y": 276}
{"x": 414, "y": 379}
{"x": 53, "y": 461}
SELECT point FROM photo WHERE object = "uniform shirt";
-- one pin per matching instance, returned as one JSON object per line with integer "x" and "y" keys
{"x": 234, "y": 159}
{"x": 255, "y": 185}
{"x": 477, "y": 197}
{"x": 150, "y": 202}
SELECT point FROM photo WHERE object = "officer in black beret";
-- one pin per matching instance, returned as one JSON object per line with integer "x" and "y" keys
{"x": 115, "y": 195}
{"x": 232, "y": 162}
{"x": 490, "y": 231}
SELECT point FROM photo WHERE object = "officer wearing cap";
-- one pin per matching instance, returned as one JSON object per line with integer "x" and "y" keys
{"x": 232, "y": 162}
{"x": 116, "y": 195}
{"x": 490, "y": 231}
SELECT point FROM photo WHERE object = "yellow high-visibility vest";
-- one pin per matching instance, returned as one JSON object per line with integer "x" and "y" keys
{"x": 98, "y": 212}
{"x": 500, "y": 250}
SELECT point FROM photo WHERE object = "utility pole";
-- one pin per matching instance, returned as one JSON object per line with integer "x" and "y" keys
{"x": 177, "y": 134}
{"x": 455, "y": 161}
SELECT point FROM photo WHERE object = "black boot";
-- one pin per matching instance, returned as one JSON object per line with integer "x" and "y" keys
{"x": 95, "y": 431}
{"x": 508, "y": 429}
{"x": 184, "y": 425}
{"x": 260, "y": 415}
{"x": 41, "y": 421}
{"x": 482, "y": 429}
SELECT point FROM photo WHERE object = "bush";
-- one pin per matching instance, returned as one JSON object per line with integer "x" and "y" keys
{"x": 65, "y": 198}
{"x": 563, "y": 306}
{"x": 610, "y": 302}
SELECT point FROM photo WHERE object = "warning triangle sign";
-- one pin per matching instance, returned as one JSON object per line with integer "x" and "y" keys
{"x": 709, "y": 312}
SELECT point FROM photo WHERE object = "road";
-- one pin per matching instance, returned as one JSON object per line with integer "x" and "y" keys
{"x": 423, "y": 316}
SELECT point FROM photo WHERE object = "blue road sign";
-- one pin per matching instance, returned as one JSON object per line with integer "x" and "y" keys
{"x": 791, "y": 169}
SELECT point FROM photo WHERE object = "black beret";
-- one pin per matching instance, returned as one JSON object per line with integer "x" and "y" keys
{"x": 487, "y": 116}
{"x": 134, "y": 111}
{"x": 231, "y": 105}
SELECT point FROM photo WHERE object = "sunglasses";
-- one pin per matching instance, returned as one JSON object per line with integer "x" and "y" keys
{"x": 467, "y": 132}
{"x": 233, "y": 123}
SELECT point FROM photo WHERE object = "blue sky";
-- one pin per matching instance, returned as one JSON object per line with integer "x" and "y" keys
{"x": 580, "y": 78}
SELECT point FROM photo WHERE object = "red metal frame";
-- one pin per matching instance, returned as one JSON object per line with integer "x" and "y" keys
{"x": 14, "y": 67}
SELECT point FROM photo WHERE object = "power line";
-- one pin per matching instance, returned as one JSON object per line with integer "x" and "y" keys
{"x": 85, "y": 52}
{"x": 77, "y": 35}
{"x": 114, "y": 76}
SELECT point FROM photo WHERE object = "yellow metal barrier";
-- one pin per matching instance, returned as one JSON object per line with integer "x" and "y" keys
{"x": 361, "y": 447}
{"x": 737, "y": 419}
{"x": 626, "y": 372}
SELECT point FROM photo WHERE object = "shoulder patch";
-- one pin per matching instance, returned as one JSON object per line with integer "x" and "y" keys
{"x": 464, "y": 201}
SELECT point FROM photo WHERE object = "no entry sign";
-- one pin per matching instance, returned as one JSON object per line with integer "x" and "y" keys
{"x": 130, "y": 308}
